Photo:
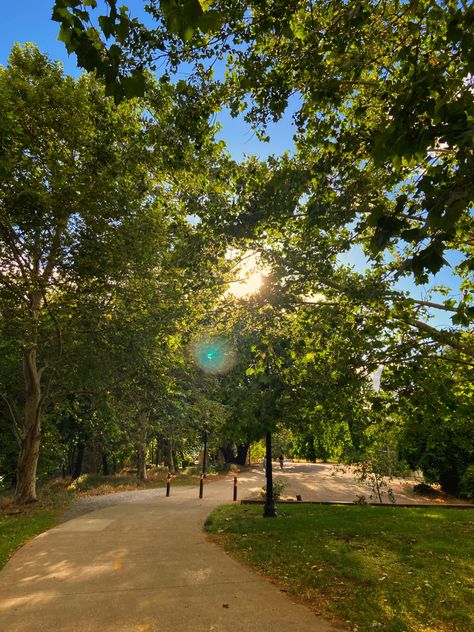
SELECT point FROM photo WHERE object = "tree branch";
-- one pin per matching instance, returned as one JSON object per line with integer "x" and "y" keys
{"x": 16, "y": 426}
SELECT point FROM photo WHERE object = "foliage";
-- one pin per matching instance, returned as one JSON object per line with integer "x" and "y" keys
{"x": 372, "y": 475}
{"x": 377, "y": 459}
{"x": 115, "y": 64}
{"x": 111, "y": 191}
{"x": 279, "y": 486}
{"x": 71, "y": 180}
{"x": 98, "y": 484}
{"x": 396, "y": 569}
{"x": 402, "y": 191}
{"x": 350, "y": 67}
{"x": 466, "y": 484}
{"x": 438, "y": 430}
{"x": 95, "y": 250}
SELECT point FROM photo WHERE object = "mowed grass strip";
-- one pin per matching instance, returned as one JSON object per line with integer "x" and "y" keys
{"x": 373, "y": 568}
{"x": 20, "y": 523}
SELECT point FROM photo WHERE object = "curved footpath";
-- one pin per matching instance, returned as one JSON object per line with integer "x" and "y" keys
{"x": 143, "y": 564}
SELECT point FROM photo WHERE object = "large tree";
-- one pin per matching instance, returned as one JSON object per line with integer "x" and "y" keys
{"x": 88, "y": 202}
{"x": 69, "y": 174}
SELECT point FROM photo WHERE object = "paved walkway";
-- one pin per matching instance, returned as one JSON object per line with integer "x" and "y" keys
{"x": 327, "y": 482}
{"x": 144, "y": 566}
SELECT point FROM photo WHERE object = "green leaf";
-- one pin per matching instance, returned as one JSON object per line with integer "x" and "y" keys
{"x": 134, "y": 86}
{"x": 65, "y": 37}
{"x": 211, "y": 21}
{"x": 107, "y": 25}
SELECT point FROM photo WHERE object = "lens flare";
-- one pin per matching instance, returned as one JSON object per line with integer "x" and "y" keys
{"x": 213, "y": 354}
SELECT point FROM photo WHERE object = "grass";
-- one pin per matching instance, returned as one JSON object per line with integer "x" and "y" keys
{"x": 20, "y": 523}
{"x": 372, "y": 568}
{"x": 98, "y": 484}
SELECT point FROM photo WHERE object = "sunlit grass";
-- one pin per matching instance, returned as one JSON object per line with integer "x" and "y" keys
{"x": 391, "y": 569}
{"x": 98, "y": 484}
{"x": 20, "y": 523}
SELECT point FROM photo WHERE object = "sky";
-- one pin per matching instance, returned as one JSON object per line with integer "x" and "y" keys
{"x": 30, "y": 21}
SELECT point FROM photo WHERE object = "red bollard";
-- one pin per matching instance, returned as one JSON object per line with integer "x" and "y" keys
{"x": 235, "y": 488}
{"x": 201, "y": 486}
{"x": 168, "y": 484}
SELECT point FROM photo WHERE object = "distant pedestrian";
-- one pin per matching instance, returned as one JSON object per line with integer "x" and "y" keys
{"x": 281, "y": 459}
{"x": 264, "y": 463}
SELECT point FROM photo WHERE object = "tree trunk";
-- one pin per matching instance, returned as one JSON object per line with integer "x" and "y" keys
{"x": 159, "y": 451}
{"x": 71, "y": 452}
{"x": 228, "y": 452}
{"x": 31, "y": 435}
{"x": 242, "y": 449}
{"x": 141, "y": 449}
{"x": 169, "y": 458}
{"x": 105, "y": 464}
{"x": 81, "y": 446}
{"x": 141, "y": 469}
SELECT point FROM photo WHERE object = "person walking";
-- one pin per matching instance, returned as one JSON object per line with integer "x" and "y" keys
{"x": 264, "y": 463}
{"x": 281, "y": 459}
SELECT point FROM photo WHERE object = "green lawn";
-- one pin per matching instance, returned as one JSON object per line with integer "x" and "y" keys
{"x": 374, "y": 568}
{"x": 18, "y": 524}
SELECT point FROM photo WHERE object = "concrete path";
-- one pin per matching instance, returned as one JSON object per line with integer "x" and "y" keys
{"x": 327, "y": 482}
{"x": 144, "y": 566}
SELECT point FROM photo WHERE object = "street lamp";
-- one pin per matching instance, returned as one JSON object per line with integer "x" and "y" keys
{"x": 204, "y": 456}
{"x": 269, "y": 509}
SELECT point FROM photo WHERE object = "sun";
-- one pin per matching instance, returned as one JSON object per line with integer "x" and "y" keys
{"x": 250, "y": 276}
{"x": 245, "y": 287}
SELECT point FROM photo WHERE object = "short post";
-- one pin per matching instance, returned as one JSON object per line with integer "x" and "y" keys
{"x": 168, "y": 484}
{"x": 201, "y": 485}
{"x": 235, "y": 488}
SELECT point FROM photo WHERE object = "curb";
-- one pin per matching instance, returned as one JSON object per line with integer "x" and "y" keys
{"x": 251, "y": 501}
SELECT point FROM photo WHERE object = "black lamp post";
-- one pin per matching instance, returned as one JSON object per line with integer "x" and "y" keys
{"x": 204, "y": 456}
{"x": 269, "y": 509}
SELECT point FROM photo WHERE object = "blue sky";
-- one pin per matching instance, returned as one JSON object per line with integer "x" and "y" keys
{"x": 30, "y": 21}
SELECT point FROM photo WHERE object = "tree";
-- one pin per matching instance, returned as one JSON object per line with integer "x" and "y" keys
{"x": 67, "y": 178}
{"x": 433, "y": 397}
{"x": 353, "y": 67}
{"x": 79, "y": 182}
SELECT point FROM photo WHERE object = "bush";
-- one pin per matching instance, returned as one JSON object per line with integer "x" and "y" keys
{"x": 466, "y": 485}
{"x": 424, "y": 489}
{"x": 278, "y": 487}
{"x": 88, "y": 482}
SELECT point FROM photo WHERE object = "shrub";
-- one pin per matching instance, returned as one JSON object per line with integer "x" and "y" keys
{"x": 424, "y": 489}
{"x": 278, "y": 487}
{"x": 466, "y": 485}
